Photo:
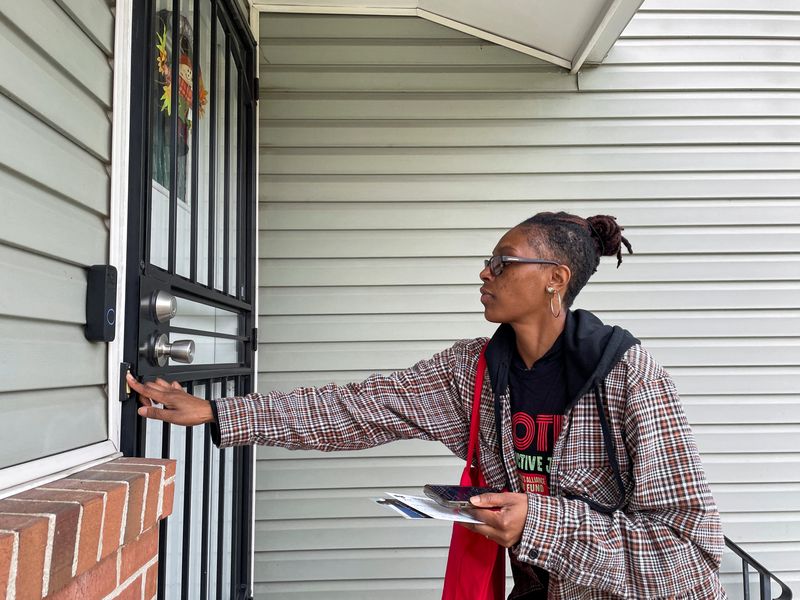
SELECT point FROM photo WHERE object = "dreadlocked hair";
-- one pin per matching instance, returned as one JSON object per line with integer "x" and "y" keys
{"x": 576, "y": 242}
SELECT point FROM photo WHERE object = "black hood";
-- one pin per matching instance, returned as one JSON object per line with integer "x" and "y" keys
{"x": 590, "y": 351}
{"x": 590, "y": 348}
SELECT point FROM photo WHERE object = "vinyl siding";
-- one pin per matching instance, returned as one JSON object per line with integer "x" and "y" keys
{"x": 55, "y": 103}
{"x": 394, "y": 153}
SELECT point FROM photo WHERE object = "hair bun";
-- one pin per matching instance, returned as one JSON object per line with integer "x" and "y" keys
{"x": 608, "y": 236}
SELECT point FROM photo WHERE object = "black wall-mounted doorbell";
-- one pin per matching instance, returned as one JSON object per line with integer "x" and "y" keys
{"x": 101, "y": 303}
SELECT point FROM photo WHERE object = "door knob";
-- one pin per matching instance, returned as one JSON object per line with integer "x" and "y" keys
{"x": 161, "y": 350}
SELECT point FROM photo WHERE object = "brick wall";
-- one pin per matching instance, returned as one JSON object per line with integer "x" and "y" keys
{"x": 90, "y": 536}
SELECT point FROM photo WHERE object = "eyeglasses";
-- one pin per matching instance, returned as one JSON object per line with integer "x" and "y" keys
{"x": 497, "y": 263}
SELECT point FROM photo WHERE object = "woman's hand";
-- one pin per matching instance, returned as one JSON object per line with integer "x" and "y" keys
{"x": 179, "y": 407}
{"x": 503, "y": 516}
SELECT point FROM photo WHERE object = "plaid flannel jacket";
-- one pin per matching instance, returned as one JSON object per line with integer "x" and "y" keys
{"x": 666, "y": 541}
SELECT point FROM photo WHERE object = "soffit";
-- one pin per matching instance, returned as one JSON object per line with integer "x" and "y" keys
{"x": 567, "y": 33}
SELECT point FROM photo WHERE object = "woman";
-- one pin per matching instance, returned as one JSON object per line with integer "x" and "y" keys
{"x": 607, "y": 499}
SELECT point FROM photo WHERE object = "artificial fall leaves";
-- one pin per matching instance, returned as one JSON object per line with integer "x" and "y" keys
{"x": 185, "y": 72}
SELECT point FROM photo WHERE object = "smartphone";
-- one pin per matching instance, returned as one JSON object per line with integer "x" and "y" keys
{"x": 455, "y": 496}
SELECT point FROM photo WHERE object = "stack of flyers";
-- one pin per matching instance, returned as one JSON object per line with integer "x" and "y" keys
{"x": 417, "y": 507}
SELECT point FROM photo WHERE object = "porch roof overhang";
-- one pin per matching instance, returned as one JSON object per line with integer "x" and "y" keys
{"x": 567, "y": 33}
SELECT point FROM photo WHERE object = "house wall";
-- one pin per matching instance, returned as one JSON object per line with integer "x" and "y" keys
{"x": 394, "y": 153}
{"x": 55, "y": 98}
{"x": 93, "y": 534}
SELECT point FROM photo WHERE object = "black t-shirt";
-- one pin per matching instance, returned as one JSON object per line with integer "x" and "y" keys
{"x": 538, "y": 401}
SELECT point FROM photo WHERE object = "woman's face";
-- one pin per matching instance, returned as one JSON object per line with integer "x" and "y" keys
{"x": 519, "y": 293}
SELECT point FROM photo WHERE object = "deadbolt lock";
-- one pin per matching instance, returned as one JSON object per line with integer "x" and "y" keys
{"x": 161, "y": 306}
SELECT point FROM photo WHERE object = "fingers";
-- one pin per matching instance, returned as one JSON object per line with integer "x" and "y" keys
{"x": 490, "y": 519}
{"x": 150, "y": 412}
{"x": 503, "y": 516}
{"x": 489, "y": 500}
{"x": 150, "y": 391}
{"x": 167, "y": 385}
{"x": 156, "y": 393}
{"x": 159, "y": 383}
{"x": 133, "y": 384}
{"x": 494, "y": 531}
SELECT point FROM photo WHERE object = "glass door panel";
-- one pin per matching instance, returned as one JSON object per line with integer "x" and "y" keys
{"x": 174, "y": 147}
{"x": 195, "y": 185}
{"x": 204, "y": 317}
{"x": 210, "y": 351}
{"x": 175, "y": 523}
{"x": 196, "y": 523}
{"x": 204, "y": 130}
{"x": 227, "y": 479}
{"x": 214, "y": 562}
{"x": 161, "y": 132}
{"x": 233, "y": 178}
{"x": 222, "y": 106}
{"x": 188, "y": 116}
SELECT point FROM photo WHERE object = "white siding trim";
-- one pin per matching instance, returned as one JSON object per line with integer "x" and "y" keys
{"x": 35, "y": 473}
{"x": 336, "y": 10}
{"x": 255, "y": 28}
{"x": 594, "y": 36}
{"x": 496, "y": 39}
{"x": 119, "y": 201}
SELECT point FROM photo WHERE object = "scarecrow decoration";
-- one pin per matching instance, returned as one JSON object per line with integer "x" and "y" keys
{"x": 164, "y": 79}
{"x": 185, "y": 72}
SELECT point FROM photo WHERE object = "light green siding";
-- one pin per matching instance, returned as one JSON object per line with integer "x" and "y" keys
{"x": 395, "y": 152}
{"x": 55, "y": 103}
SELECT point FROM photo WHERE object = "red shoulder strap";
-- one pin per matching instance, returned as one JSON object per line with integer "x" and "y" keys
{"x": 474, "y": 424}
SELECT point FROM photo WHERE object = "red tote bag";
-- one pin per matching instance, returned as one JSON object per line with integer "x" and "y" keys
{"x": 476, "y": 566}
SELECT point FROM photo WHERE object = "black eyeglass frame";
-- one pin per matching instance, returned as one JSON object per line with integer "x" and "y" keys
{"x": 497, "y": 263}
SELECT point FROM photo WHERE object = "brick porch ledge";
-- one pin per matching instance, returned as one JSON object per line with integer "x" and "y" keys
{"x": 92, "y": 535}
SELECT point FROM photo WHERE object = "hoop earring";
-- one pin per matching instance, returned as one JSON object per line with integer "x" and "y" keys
{"x": 554, "y": 294}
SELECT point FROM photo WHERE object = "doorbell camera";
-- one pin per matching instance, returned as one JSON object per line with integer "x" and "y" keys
{"x": 101, "y": 303}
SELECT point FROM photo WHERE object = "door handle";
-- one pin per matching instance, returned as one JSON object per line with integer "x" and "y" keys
{"x": 160, "y": 350}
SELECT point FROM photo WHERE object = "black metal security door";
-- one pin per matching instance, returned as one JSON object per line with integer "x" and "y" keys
{"x": 190, "y": 274}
